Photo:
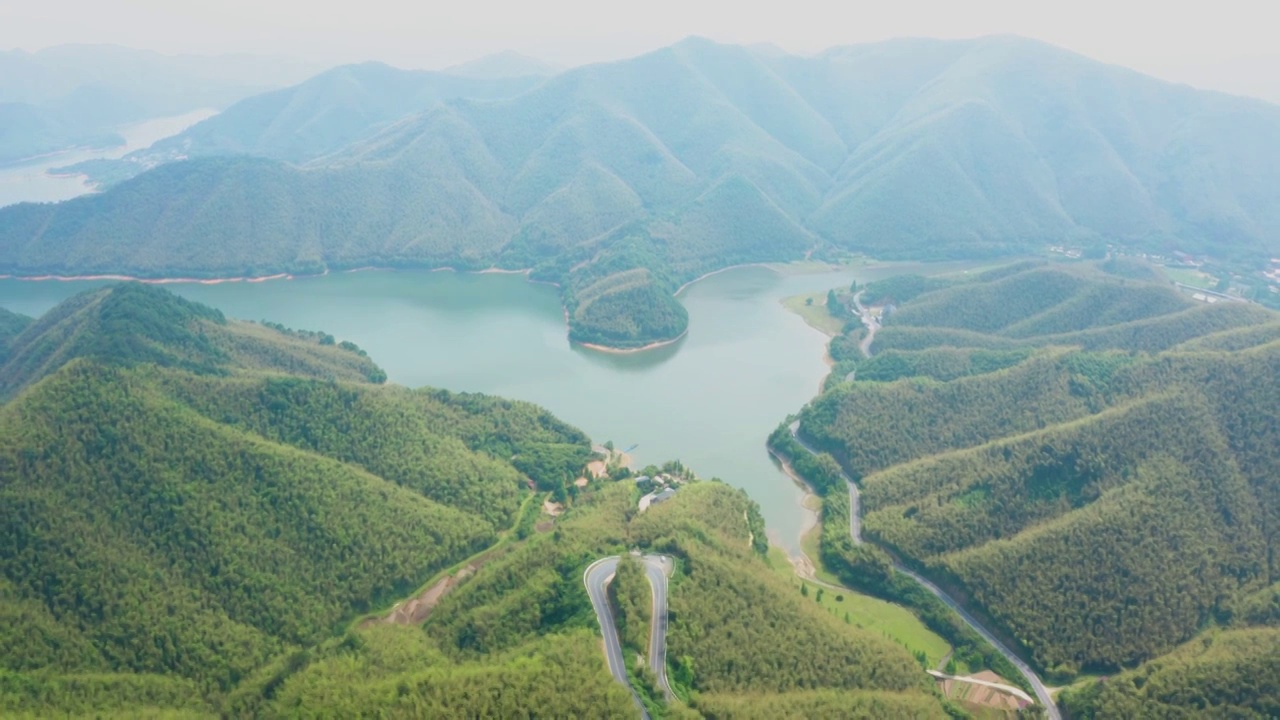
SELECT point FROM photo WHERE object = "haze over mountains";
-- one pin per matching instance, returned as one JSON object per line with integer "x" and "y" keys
{"x": 73, "y": 95}
{"x": 684, "y": 161}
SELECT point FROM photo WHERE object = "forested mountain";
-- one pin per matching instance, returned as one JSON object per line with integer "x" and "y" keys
{"x": 323, "y": 114}
{"x": 187, "y": 497}
{"x": 28, "y": 131}
{"x": 523, "y": 620}
{"x": 74, "y": 95}
{"x": 195, "y": 513}
{"x": 1089, "y": 459}
{"x": 684, "y": 161}
{"x": 11, "y": 325}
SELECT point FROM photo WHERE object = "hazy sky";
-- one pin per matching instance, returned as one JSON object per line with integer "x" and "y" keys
{"x": 1229, "y": 44}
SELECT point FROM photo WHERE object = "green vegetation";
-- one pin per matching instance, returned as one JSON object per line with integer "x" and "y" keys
{"x": 625, "y": 309}
{"x": 727, "y": 606}
{"x": 194, "y": 525}
{"x": 182, "y": 507}
{"x": 135, "y": 324}
{"x": 589, "y": 181}
{"x": 888, "y": 618}
{"x": 11, "y": 325}
{"x": 870, "y": 569}
{"x": 1192, "y": 277}
{"x": 942, "y": 363}
{"x": 802, "y": 704}
{"x": 526, "y": 613}
{"x": 813, "y": 310}
{"x": 1068, "y": 428}
{"x": 631, "y": 598}
{"x": 1232, "y": 673}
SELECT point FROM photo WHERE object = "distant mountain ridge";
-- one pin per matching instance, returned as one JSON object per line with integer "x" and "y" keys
{"x": 693, "y": 158}
{"x": 74, "y": 95}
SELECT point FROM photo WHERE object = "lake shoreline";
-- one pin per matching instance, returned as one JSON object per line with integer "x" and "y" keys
{"x": 121, "y": 277}
{"x": 627, "y": 351}
{"x": 704, "y": 276}
{"x": 155, "y": 281}
{"x": 492, "y": 270}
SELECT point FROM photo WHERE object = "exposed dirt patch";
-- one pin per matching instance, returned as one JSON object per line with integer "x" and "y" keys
{"x": 982, "y": 700}
{"x": 416, "y": 609}
{"x": 803, "y": 565}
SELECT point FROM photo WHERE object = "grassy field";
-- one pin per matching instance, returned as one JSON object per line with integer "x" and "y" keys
{"x": 894, "y": 621}
{"x": 1191, "y": 276}
{"x": 814, "y": 313}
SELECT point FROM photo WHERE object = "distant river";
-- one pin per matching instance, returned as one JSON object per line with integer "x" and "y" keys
{"x": 710, "y": 400}
{"x": 30, "y": 182}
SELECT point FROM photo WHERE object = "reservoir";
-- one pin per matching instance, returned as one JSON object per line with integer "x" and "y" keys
{"x": 709, "y": 400}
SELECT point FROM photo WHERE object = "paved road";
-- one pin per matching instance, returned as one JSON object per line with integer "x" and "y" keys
{"x": 658, "y": 568}
{"x": 870, "y": 322}
{"x": 597, "y": 577}
{"x": 855, "y": 531}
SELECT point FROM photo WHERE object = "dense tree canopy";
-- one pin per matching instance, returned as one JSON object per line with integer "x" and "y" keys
{"x": 1086, "y": 456}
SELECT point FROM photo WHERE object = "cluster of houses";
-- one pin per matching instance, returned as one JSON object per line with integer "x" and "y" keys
{"x": 663, "y": 488}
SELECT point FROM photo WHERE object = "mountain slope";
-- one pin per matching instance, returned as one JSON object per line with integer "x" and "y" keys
{"x": 187, "y": 499}
{"x": 324, "y": 114}
{"x": 189, "y": 528}
{"x": 529, "y": 605}
{"x": 11, "y": 325}
{"x": 1102, "y": 493}
{"x": 76, "y": 95}
{"x": 910, "y": 149}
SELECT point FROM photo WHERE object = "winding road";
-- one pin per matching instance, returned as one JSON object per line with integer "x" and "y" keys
{"x": 869, "y": 321}
{"x": 597, "y": 577}
{"x": 855, "y": 531}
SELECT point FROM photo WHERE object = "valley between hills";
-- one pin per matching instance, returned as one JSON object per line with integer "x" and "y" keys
{"x": 1039, "y": 478}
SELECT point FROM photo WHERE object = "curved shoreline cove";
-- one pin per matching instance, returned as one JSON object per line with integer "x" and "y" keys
{"x": 709, "y": 399}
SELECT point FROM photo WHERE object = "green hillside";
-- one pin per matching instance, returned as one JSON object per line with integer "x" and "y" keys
{"x": 11, "y": 325}
{"x": 202, "y": 517}
{"x": 684, "y": 161}
{"x": 29, "y": 131}
{"x": 1087, "y": 458}
{"x": 187, "y": 497}
{"x": 524, "y": 620}
{"x": 1231, "y": 673}
{"x": 134, "y": 323}
{"x": 311, "y": 119}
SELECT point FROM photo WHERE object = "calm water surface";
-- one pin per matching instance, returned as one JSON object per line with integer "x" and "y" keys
{"x": 710, "y": 400}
